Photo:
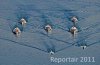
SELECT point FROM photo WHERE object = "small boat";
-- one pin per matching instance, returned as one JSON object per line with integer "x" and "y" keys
{"x": 17, "y": 31}
{"x": 48, "y": 28}
{"x": 51, "y": 52}
{"x": 73, "y": 30}
{"x": 74, "y": 19}
{"x": 83, "y": 47}
{"x": 23, "y": 21}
